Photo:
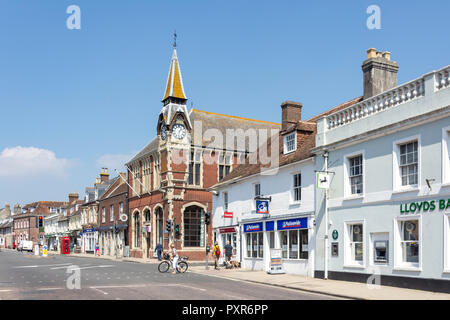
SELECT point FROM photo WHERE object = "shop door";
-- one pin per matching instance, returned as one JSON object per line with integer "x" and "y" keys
{"x": 148, "y": 245}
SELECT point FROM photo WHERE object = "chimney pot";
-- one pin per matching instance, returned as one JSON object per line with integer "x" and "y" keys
{"x": 371, "y": 53}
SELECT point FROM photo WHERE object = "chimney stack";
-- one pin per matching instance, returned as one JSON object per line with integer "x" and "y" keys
{"x": 73, "y": 197}
{"x": 380, "y": 73}
{"x": 291, "y": 113}
{"x": 17, "y": 209}
{"x": 104, "y": 175}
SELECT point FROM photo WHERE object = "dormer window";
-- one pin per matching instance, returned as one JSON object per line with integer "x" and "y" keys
{"x": 290, "y": 142}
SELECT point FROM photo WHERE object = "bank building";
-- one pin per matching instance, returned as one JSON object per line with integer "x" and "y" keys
{"x": 385, "y": 208}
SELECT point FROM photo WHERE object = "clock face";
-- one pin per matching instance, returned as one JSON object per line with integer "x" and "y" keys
{"x": 163, "y": 132}
{"x": 179, "y": 131}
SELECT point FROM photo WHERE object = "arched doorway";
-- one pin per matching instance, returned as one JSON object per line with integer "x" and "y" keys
{"x": 159, "y": 230}
{"x": 147, "y": 218}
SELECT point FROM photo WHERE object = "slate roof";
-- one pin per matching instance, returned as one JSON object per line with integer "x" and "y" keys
{"x": 211, "y": 120}
{"x": 305, "y": 143}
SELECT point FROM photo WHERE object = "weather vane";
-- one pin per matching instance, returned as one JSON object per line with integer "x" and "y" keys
{"x": 175, "y": 39}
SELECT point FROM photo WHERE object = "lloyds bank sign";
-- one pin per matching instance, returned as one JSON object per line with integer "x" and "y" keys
{"x": 424, "y": 206}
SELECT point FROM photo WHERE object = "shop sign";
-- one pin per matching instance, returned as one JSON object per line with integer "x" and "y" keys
{"x": 228, "y": 214}
{"x": 323, "y": 180}
{"x": 424, "y": 206}
{"x": 262, "y": 206}
{"x": 227, "y": 230}
{"x": 300, "y": 223}
{"x": 270, "y": 225}
{"x": 253, "y": 227}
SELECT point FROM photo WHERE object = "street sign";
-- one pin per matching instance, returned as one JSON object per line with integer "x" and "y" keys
{"x": 123, "y": 217}
{"x": 262, "y": 206}
{"x": 323, "y": 180}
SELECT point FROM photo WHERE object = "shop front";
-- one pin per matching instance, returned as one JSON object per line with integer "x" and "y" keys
{"x": 290, "y": 235}
{"x": 90, "y": 238}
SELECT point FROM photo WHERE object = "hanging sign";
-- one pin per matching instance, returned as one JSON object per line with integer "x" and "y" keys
{"x": 262, "y": 206}
{"x": 322, "y": 180}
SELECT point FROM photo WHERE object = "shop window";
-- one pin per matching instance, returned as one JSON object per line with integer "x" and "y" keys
{"x": 271, "y": 240}
{"x": 111, "y": 213}
{"x": 410, "y": 241}
{"x": 255, "y": 247}
{"x": 294, "y": 244}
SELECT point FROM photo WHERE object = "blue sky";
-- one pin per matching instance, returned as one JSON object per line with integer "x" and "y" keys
{"x": 77, "y": 100}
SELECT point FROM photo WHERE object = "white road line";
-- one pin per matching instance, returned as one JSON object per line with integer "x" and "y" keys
{"x": 5, "y": 290}
{"x": 123, "y": 286}
{"x": 99, "y": 290}
{"x": 49, "y": 289}
{"x": 185, "y": 286}
{"x": 45, "y": 265}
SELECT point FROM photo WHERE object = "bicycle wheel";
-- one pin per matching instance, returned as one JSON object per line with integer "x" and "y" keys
{"x": 182, "y": 267}
{"x": 164, "y": 266}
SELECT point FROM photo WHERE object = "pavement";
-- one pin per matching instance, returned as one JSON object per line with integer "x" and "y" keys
{"x": 342, "y": 289}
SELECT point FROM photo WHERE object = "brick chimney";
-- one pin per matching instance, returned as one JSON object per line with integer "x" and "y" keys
{"x": 104, "y": 175}
{"x": 291, "y": 113}
{"x": 380, "y": 73}
{"x": 17, "y": 209}
{"x": 73, "y": 197}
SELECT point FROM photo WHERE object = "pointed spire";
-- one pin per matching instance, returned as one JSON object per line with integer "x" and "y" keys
{"x": 174, "y": 86}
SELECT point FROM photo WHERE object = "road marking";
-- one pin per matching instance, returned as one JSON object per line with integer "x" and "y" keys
{"x": 5, "y": 290}
{"x": 185, "y": 286}
{"x": 45, "y": 265}
{"x": 49, "y": 289}
{"x": 99, "y": 290}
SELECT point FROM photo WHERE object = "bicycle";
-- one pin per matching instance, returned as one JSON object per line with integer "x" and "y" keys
{"x": 167, "y": 264}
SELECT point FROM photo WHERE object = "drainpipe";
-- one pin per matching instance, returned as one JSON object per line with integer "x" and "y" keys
{"x": 325, "y": 156}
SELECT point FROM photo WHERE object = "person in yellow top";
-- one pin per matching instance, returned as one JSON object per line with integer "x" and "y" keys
{"x": 216, "y": 255}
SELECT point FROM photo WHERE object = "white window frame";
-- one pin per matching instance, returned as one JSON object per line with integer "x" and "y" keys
{"x": 260, "y": 234}
{"x": 285, "y": 138}
{"x": 222, "y": 161}
{"x": 446, "y": 217}
{"x": 293, "y": 187}
{"x": 348, "y": 261}
{"x": 103, "y": 214}
{"x": 347, "y": 185}
{"x": 446, "y": 156}
{"x": 396, "y": 176}
{"x": 195, "y": 158}
{"x": 398, "y": 262}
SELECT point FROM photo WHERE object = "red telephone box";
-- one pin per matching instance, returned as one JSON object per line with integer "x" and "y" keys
{"x": 65, "y": 245}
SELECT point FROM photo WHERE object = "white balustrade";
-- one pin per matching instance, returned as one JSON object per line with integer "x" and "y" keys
{"x": 399, "y": 95}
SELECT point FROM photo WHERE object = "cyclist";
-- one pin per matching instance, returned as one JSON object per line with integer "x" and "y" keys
{"x": 175, "y": 258}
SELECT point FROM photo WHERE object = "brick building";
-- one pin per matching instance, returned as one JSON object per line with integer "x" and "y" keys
{"x": 113, "y": 224}
{"x": 26, "y": 224}
{"x": 169, "y": 178}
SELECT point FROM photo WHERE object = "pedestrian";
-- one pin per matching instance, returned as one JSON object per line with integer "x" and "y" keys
{"x": 175, "y": 258}
{"x": 216, "y": 254}
{"x": 228, "y": 253}
{"x": 97, "y": 249}
{"x": 158, "y": 250}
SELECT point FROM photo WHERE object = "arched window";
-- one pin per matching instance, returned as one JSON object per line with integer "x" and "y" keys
{"x": 137, "y": 230}
{"x": 193, "y": 227}
{"x": 147, "y": 215}
{"x": 159, "y": 225}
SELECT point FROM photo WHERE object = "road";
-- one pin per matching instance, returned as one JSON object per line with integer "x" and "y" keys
{"x": 24, "y": 276}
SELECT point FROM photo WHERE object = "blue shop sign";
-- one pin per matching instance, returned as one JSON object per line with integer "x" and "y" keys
{"x": 253, "y": 227}
{"x": 262, "y": 206}
{"x": 89, "y": 230}
{"x": 299, "y": 223}
{"x": 270, "y": 225}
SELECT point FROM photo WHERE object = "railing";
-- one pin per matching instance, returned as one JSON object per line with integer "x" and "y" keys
{"x": 407, "y": 92}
